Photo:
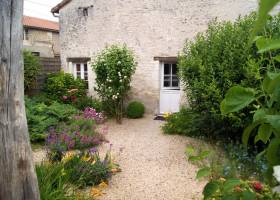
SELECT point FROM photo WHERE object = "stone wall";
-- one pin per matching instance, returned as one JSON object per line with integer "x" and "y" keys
{"x": 149, "y": 28}
{"x": 44, "y": 42}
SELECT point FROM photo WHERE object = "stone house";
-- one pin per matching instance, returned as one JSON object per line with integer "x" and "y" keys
{"x": 41, "y": 37}
{"x": 154, "y": 29}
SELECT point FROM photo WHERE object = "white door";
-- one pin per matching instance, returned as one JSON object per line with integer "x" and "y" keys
{"x": 170, "y": 89}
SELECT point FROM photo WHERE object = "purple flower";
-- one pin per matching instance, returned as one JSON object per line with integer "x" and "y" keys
{"x": 93, "y": 150}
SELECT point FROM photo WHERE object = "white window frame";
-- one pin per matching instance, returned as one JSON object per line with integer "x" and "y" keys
{"x": 82, "y": 66}
{"x": 162, "y": 77}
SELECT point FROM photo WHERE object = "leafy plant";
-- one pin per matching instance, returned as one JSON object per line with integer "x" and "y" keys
{"x": 84, "y": 102}
{"x": 41, "y": 116}
{"x": 235, "y": 189}
{"x": 53, "y": 182}
{"x": 135, "y": 110}
{"x": 88, "y": 169}
{"x": 114, "y": 68}
{"x": 217, "y": 60}
{"x": 32, "y": 68}
{"x": 186, "y": 122}
{"x": 266, "y": 116}
{"x": 63, "y": 87}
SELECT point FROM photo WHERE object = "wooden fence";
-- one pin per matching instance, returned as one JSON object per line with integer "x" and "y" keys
{"x": 48, "y": 65}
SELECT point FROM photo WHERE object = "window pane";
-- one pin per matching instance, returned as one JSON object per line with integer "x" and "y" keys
{"x": 86, "y": 77}
{"x": 166, "y": 84}
{"x": 167, "y": 78}
{"x": 86, "y": 84}
{"x": 167, "y": 69}
{"x": 78, "y": 74}
{"x": 174, "y": 69}
{"x": 85, "y": 67}
{"x": 78, "y": 66}
{"x": 175, "y": 81}
{"x": 175, "y": 84}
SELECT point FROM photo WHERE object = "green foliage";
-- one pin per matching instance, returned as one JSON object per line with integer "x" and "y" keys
{"x": 264, "y": 8}
{"x": 63, "y": 87}
{"x": 217, "y": 60}
{"x": 53, "y": 182}
{"x": 228, "y": 160}
{"x": 84, "y": 102}
{"x": 88, "y": 169}
{"x": 267, "y": 113}
{"x": 236, "y": 189}
{"x": 186, "y": 122}
{"x": 31, "y": 69}
{"x": 41, "y": 116}
{"x": 135, "y": 110}
{"x": 114, "y": 68}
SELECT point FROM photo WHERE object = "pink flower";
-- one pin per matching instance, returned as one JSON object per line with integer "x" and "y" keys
{"x": 65, "y": 98}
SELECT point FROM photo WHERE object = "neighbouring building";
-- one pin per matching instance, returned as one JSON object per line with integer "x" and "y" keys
{"x": 41, "y": 37}
{"x": 154, "y": 29}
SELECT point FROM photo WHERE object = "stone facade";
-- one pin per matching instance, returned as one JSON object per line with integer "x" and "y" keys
{"x": 151, "y": 28}
{"x": 42, "y": 41}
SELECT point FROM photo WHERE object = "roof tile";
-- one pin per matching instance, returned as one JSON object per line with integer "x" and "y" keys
{"x": 40, "y": 23}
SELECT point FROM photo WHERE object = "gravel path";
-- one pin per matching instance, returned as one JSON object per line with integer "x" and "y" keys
{"x": 154, "y": 165}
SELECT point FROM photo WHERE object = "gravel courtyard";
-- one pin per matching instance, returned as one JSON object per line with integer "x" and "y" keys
{"x": 154, "y": 166}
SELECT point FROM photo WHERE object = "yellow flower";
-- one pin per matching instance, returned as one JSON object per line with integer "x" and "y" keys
{"x": 68, "y": 156}
{"x": 103, "y": 185}
{"x": 86, "y": 158}
{"x": 94, "y": 192}
{"x": 166, "y": 115}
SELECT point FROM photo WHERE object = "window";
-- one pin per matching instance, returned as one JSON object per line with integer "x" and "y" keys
{"x": 170, "y": 78}
{"x": 25, "y": 34}
{"x": 36, "y": 54}
{"x": 81, "y": 71}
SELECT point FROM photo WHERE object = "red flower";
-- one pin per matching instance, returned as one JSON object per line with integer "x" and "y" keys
{"x": 257, "y": 186}
{"x": 73, "y": 98}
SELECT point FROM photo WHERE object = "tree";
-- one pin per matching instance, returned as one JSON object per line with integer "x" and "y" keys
{"x": 17, "y": 175}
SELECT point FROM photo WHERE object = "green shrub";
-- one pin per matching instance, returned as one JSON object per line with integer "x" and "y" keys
{"x": 31, "y": 69}
{"x": 64, "y": 87}
{"x": 135, "y": 110}
{"x": 41, "y": 116}
{"x": 53, "y": 183}
{"x": 114, "y": 68}
{"x": 217, "y": 60}
{"x": 88, "y": 102}
{"x": 186, "y": 122}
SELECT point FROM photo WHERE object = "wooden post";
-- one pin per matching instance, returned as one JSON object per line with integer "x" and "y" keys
{"x": 17, "y": 176}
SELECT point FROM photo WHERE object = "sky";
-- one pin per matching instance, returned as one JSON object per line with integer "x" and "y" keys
{"x": 40, "y": 8}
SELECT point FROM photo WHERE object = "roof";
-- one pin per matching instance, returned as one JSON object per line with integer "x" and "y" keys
{"x": 59, "y": 6}
{"x": 38, "y": 23}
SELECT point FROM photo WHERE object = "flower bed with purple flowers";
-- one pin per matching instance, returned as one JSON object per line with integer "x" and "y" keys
{"x": 81, "y": 132}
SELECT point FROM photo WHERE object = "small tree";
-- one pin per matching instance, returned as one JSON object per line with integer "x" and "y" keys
{"x": 114, "y": 68}
{"x": 31, "y": 69}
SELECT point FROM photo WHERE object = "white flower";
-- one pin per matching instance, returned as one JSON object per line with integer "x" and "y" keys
{"x": 110, "y": 81}
{"x": 125, "y": 76}
{"x": 276, "y": 173}
{"x": 119, "y": 62}
{"x": 118, "y": 94}
{"x": 121, "y": 81}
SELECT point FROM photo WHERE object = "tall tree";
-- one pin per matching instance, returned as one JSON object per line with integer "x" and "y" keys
{"x": 17, "y": 176}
